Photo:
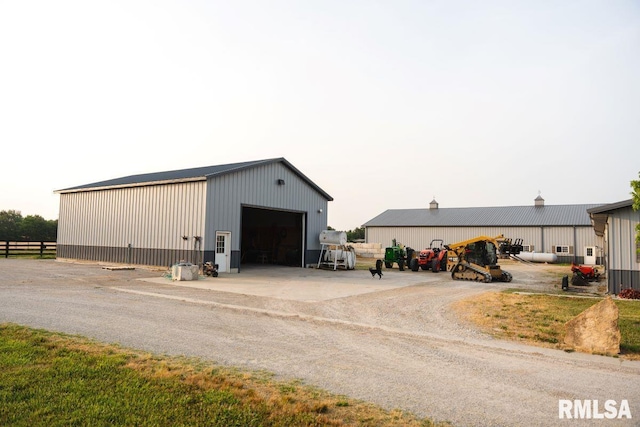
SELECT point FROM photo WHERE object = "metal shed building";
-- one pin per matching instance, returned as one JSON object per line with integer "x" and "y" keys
{"x": 263, "y": 211}
{"x": 565, "y": 230}
{"x": 617, "y": 224}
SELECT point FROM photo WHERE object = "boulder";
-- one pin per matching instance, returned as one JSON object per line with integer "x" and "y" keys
{"x": 184, "y": 271}
{"x": 595, "y": 330}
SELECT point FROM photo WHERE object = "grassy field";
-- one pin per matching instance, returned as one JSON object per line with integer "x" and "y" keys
{"x": 50, "y": 379}
{"x": 540, "y": 319}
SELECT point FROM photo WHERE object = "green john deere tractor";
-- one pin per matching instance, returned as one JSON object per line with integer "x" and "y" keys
{"x": 397, "y": 253}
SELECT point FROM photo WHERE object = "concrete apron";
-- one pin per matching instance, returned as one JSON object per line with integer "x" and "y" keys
{"x": 303, "y": 284}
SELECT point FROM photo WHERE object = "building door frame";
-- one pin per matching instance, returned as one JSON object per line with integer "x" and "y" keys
{"x": 223, "y": 250}
{"x": 590, "y": 255}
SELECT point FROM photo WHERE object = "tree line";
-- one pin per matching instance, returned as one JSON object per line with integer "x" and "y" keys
{"x": 13, "y": 226}
{"x": 353, "y": 235}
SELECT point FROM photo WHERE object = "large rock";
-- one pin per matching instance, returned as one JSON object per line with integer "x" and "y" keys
{"x": 184, "y": 271}
{"x": 595, "y": 330}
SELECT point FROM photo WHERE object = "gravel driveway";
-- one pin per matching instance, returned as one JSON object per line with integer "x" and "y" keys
{"x": 398, "y": 345}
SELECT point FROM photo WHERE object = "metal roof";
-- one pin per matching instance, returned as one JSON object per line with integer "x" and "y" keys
{"x": 503, "y": 216}
{"x": 611, "y": 207}
{"x": 183, "y": 175}
{"x": 600, "y": 214}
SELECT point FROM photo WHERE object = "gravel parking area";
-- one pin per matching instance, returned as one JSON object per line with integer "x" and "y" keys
{"x": 393, "y": 341}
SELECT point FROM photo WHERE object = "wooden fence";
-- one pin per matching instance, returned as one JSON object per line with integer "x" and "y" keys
{"x": 32, "y": 249}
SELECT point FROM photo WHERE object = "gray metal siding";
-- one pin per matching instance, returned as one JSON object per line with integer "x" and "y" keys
{"x": 123, "y": 255}
{"x": 542, "y": 238}
{"x": 621, "y": 239}
{"x": 257, "y": 187}
{"x": 623, "y": 279}
{"x": 420, "y": 237}
{"x": 623, "y": 268}
{"x": 148, "y": 218}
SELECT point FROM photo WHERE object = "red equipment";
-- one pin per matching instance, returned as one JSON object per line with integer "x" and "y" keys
{"x": 583, "y": 274}
{"x": 434, "y": 257}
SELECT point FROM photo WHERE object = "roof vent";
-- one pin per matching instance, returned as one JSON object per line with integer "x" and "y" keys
{"x": 539, "y": 201}
{"x": 433, "y": 204}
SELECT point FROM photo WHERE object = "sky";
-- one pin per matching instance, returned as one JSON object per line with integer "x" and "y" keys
{"x": 383, "y": 104}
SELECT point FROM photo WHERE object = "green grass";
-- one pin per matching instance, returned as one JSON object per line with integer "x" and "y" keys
{"x": 540, "y": 318}
{"x": 35, "y": 254}
{"x": 50, "y": 379}
{"x": 31, "y": 256}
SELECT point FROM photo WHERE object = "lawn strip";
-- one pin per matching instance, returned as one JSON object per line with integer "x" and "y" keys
{"x": 53, "y": 379}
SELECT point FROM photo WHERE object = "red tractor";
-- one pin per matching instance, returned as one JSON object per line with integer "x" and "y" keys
{"x": 433, "y": 258}
{"x": 583, "y": 274}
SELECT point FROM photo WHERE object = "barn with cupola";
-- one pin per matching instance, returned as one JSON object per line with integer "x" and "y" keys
{"x": 564, "y": 230}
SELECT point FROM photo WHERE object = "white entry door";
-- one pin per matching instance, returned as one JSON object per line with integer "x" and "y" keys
{"x": 590, "y": 255}
{"x": 223, "y": 242}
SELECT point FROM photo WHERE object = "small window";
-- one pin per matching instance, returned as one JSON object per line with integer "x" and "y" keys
{"x": 589, "y": 251}
{"x": 527, "y": 248}
{"x": 563, "y": 250}
{"x": 220, "y": 243}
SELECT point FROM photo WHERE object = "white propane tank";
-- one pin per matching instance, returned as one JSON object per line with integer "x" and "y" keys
{"x": 333, "y": 237}
{"x": 538, "y": 257}
{"x": 344, "y": 257}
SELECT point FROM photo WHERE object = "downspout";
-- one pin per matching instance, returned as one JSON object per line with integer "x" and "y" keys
{"x": 575, "y": 244}
{"x": 197, "y": 240}
{"x": 304, "y": 241}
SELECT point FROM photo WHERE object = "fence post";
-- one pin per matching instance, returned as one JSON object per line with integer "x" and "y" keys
{"x": 6, "y": 249}
{"x": 42, "y": 248}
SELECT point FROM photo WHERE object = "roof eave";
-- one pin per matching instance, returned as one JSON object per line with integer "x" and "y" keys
{"x": 611, "y": 207}
{"x": 139, "y": 184}
{"x": 244, "y": 166}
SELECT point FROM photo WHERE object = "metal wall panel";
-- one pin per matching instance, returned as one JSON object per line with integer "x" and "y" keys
{"x": 622, "y": 266}
{"x": 619, "y": 280}
{"x": 152, "y": 217}
{"x": 141, "y": 256}
{"x": 420, "y": 237}
{"x": 258, "y": 187}
{"x": 559, "y": 236}
{"x": 621, "y": 239}
{"x": 542, "y": 238}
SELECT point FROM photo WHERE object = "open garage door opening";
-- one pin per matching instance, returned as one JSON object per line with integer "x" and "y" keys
{"x": 272, "y": 237}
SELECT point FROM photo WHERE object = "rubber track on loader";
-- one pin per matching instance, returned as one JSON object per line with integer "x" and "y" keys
{"x": 506, "y": 275}
{"x": 480, "y": 276}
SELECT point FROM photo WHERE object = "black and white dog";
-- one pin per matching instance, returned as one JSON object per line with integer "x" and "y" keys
{"x": 377, "y": 270}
